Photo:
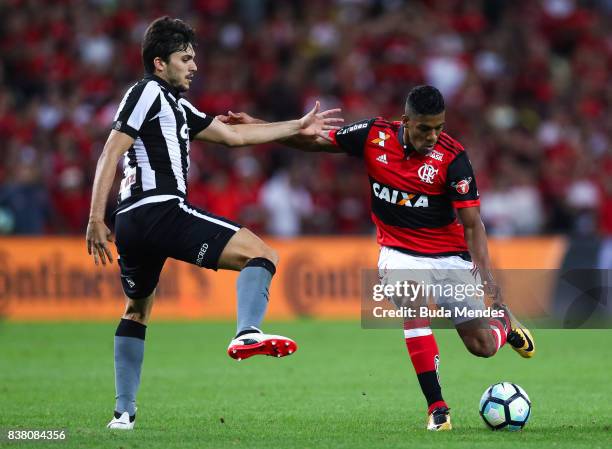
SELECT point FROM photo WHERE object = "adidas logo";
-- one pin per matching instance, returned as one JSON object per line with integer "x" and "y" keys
{"x": 382, "y": 158}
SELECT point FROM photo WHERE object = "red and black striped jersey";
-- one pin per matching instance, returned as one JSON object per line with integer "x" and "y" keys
{"x": 414, "y": 196}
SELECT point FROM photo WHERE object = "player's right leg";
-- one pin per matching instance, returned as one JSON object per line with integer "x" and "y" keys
{"x": 129, "y": 354}
{"x": 140, "y": 268}
{"x": 395, "y": 266}
{"x": 425, "y": 358}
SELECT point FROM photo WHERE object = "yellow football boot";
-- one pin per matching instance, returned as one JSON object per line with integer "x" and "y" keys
{"x": 439, "y": 420}
{"x": 519, "y": 336}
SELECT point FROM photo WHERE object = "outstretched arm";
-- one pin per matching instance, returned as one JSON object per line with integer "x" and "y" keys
{"x": 318, "y": 143}
{"x": 311, "y": 126}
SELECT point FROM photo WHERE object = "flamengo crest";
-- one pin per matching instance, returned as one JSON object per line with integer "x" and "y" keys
{"x": 427, "y": 172}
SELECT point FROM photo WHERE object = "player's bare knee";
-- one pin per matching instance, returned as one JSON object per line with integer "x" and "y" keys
{"x": 138, "y": 310}
{"x": 472, "y": 348}
{"x": 270, "y": 254}
{"x": 486, "y": 348}
{"x": 244, "y": 247}
{"x": 480, "y": 347}
{"x": 139, "y": 317}
{"x": 262, "y": 251}
{"x": 487, "y": 351}
{"x": 492, "y": 347}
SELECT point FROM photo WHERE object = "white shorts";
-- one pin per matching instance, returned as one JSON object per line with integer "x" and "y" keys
{"x": 449, "y": 282}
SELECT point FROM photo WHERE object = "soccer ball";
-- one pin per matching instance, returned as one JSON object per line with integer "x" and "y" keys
{"x": 505, "y": 406}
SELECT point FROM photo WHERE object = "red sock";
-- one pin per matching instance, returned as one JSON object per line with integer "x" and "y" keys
{"x": 499, "y": 328}
{"x": 425, "y": 358}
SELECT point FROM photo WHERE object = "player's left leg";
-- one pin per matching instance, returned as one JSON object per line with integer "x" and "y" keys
{"x": 519, "y": 336}
{"x": 214, "y": 242}
{"x": 483, "y": 337}
{"x": 256, "y": 261}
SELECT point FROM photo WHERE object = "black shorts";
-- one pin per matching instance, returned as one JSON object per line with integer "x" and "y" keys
{"x": 147, "y": 235}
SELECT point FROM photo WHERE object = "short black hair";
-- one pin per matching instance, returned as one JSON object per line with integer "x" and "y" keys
{"x": 424, "y": 100}
{"x": 163, "y": 37}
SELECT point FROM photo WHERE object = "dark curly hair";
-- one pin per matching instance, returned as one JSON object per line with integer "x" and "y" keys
{"x": 163, "y": 37}
{"x": 424, "y": 100}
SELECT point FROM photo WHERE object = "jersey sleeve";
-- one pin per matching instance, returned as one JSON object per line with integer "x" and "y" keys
{"x": 140, "y": 103}
{"x": 461, "y": 183}
{"x": 352, "y": 138}
{"x": 196, "y": 120}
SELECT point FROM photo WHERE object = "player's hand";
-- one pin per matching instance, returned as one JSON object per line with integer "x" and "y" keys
{"x": 98, "y": 236}
{"x": 237, "y": 118}
{"x": 493, "y": 292}
{"x": 318, "y": 124}
{"x": 491, "y": 289}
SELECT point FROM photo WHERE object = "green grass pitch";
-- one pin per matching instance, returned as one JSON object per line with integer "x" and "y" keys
{"x": 344, "y": 388}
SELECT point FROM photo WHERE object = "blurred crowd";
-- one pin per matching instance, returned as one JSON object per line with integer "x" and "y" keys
{"x": 527, "y": 85}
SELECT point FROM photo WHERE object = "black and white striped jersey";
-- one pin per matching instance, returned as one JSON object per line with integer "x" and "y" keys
{"x": 162, "y": 124}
